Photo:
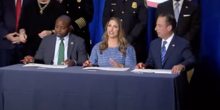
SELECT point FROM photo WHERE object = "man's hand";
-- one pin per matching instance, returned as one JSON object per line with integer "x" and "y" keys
{"x": 23, "y": 37}
{"x": 69, "y": 62}
{"x": 28, "y": 59}
{"x": 11, "y": 37}
{"x": 87, "y": 64}
{"x": 140, "y": 66}
{"x": 116, "y": 64}
{"x": 44, "y": 33}
{"x": 177, "y": 69}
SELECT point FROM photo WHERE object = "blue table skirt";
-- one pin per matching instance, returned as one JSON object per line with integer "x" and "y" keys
{"x": 31, "y": 88}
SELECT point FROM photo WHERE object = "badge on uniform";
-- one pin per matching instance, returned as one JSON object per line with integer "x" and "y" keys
{"x": 113, "y": 3}
{"x": 78, "y": 1}
{"x": 134, "y": 5}
{"x": 72, "y": 43}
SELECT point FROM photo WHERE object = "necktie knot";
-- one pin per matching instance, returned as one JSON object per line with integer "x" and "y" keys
{"x": 164, "y": 43}
{"x": 177, "y": 4}
{"x": 61, "y": 39}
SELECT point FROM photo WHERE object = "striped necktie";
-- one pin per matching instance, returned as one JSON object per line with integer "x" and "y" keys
{"x": 176, "y": 11}
{"x": 163, "y": 53}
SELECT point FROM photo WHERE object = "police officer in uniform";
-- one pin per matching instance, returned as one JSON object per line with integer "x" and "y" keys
{"x": 133, "y": 14}
{"x": 81, "y": 14}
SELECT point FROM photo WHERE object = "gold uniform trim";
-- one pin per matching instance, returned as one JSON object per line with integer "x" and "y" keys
{"x": 145, "y": 3}
{"x": 81, "y": 22}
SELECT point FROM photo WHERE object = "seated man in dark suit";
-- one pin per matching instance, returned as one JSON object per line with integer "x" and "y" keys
{"x": 60, "y": 48}
{"x": 169, "y": 51}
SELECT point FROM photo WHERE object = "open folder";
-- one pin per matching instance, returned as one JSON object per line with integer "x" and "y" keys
{"x": 44, "y": 66}
{"x": 161, "y": 71}
{"x": 106, "y": 68}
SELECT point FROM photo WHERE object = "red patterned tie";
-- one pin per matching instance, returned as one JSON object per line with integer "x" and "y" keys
{"x": 18, "y": 12}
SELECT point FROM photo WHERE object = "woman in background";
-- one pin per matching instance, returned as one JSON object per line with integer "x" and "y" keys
{"x": 36, "y": 22}
{"x": 113, "y": 50}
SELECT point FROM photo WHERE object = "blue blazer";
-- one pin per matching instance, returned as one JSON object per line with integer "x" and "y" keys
{"x": 8, "y": 21}
{"x": 76, "y": 50}
{"x": 178, "y": 52}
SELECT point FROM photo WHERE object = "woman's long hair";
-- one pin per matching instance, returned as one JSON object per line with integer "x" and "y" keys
{"x": 121, "y": 37}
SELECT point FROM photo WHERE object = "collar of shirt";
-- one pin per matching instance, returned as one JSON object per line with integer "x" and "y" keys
{"x": 168, "y": 41}
{"x": 16, "y": 2}
{"x": 57, "y": 45}
{"x": 65, "y": 39}
{"x": 180, "y": 2}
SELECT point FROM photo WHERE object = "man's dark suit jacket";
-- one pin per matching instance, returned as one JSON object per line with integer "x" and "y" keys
{"x": 189, "y": 22}
{"x": 76, "y": 50}
{"x": 178, "y": 52}
{"x": 8, "y": 21}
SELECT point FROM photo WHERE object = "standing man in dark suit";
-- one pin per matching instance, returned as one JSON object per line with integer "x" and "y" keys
{"x": 10, "y": 11}
{"x": 60, "y": 48}
{"x": 169, "y": 51}
{"x": 81, "y": 13}
{"x": 133, "y": 13}
{"x": 187, "y": 15}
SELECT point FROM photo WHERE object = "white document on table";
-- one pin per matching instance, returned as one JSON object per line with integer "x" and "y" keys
{"x": 161, "y": 71}
{"x": 105, "y": 68}
{"x": 44, "y": 66}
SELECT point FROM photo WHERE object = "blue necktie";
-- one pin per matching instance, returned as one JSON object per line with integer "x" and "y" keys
{"x": 163, "y": 53}
{"x": 176, "y": 11}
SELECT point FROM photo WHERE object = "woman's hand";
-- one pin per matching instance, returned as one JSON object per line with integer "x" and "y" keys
{"x": 87, "y": 64}
{"x": 116, "y": 64}
{"x": 44, "y": 33}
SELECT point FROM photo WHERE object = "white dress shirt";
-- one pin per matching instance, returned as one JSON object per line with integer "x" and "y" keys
{"x": 16, "y": 2}
{"x": 180, "y": 6}
{"x": 56, "y": 53}
{"x": 168, "y": 41}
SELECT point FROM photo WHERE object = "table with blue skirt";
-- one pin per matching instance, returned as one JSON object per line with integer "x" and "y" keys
{"x": 72, "y": 88}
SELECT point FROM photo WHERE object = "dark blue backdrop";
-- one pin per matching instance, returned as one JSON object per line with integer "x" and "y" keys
{"x": 205, "y": 82}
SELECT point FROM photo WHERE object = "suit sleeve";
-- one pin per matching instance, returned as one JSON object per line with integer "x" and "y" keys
{"x": 82, "y": 54}
{"x": 140, "y": 26}
{"x": 86, "y": 16}
{"x": 130, "y": 59}
{"x": 40, "y": 52}
{"x": 189, "y": 59}
{"x": 3, "y": 28}
{"x": 94, "y": 57}
{"x": 195, "y": 25}
{"x": 106, "y": 13}
{"x": 150, "y": 61}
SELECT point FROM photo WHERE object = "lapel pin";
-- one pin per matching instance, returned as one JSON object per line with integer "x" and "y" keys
{"x": 186, "y": 6}
{"x": 173, "y": 45}
{"x": 72, "y": 43}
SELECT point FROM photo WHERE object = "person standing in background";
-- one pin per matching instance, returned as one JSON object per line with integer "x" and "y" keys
{"x": 10, "y": 11}
{"x": 133, "y": 14}
{"x": 81, "y": 13}
{"x": 38, "y": 21}
{"x": 188, "y": 18}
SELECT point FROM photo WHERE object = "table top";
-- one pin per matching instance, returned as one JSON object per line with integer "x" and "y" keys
{"x": 79, "y": 70}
